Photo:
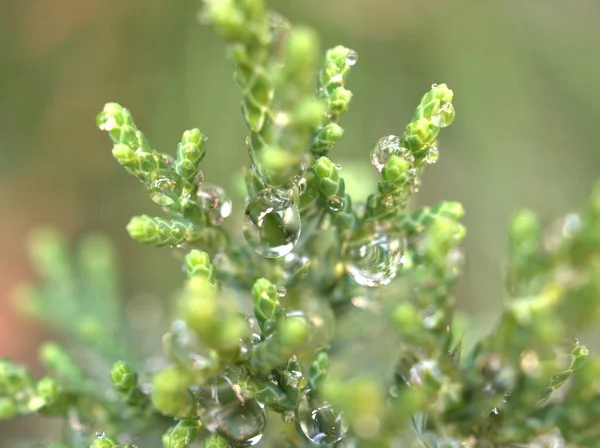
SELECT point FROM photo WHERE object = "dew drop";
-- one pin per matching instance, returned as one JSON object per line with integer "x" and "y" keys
{"x": 549, "y": 440}
{"x": 165, "y": 187}
{"x": 383, "y": 149}
{"x": 432, "y": 155}
{"x": 272, "y": 224}
{"x": 351, "y": 58}
{"x": 319, "y": 422}
{"x": 571, "y": 225}
{"x": 281, "y": 292}
{"x": 100, "y": 434}
{"x": 409, "y": 158}
{"x": 223, "y": 409}
{"x": 375, "y": 262}
{"x": 295, "y": 268}
{"x": 445, "y": 116}
{"x": 338, "y": 166}
{"x": 214, "y": 201}
{"x": 335, "y": 203}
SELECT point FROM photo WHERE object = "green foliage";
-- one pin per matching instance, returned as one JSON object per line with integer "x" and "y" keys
{"x": 335, "y": 314}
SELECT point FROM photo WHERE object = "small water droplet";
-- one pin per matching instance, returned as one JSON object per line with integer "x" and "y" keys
{"x": 281, "y": 119}
{"x": 383, "y": 149}
{"x": 100, "y": 434}
{"x": 295, "y": 267}
{"x": 338, "y": 166}
{"x": 255, "y": 338}
{"x": 215, "y": 202}
{"x": 375, "y": 262}
{"x": 434, "y": 86}
{"x": 281, "y": 292}
{"x": 409, "y": 158}
{"x": 272, "y": 224}
{"x": 225, "y": 410}
{"x": 351, "y": 58}
{"x": 165, "y": 187}
{"x": 272, "y": 379}
{"x": 552, "y": 439}
{"x": 432, "y": 155}
{"x": 319, "y": 422}
{"x": 107, "y": 123}
{"x": 199, "y": 178}
{"x": 335, "y": 203}
{"x": 288, "y": 416}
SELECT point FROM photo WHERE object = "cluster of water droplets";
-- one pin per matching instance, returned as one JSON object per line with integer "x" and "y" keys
{"x": 272, "y": 223}
{"x": 318, "y": 421}
{"x": 225, "y": 409}
{"x": 375, "y": 262}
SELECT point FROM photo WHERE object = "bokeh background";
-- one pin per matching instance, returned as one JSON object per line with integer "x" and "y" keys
{"x": 525, "y": 76}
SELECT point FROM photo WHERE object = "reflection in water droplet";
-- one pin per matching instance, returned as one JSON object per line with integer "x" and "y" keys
{"x": 294, "y": 267}
{"x": 281, "y": 292}
{"x": 432, "y": 155}
{"x": 351, "y": 58}
{"x": 272, "y": 224}
{"x": 376, "y": 262}
{"x": 224, "y": 410}
{"x": 335, "y": 203}
{"x": 100, "y": 434}
{"x": 383, "y": 149}
{"x": 165, "y": 187}
{"x": 214, "y": 201}
{"x": 319, "y": 422}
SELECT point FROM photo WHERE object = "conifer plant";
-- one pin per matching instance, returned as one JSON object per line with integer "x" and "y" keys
{"x": 327, "y": 322}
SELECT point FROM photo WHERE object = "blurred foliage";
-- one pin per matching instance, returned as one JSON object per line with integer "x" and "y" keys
{"x": 527, "y": 105}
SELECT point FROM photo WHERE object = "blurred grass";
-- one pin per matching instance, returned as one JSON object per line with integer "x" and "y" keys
{"x": 524, "y": 74}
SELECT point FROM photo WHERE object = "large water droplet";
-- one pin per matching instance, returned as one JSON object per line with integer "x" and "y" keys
{"x": 165, "y": 187}
{"x": 215, "y": 202}
{"x": 225, "y": 410}
{"x": 375, "y": 262}
{"x": 445, "y": 116}
{"x": 272, "y": 224}
{"x": 432, "y": 155}
{"x": 319, "y": 422}
{"x": 383, "y": 149}
{"x": 335, "y": 203}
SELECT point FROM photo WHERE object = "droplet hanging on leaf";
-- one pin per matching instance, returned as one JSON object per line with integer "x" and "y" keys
{"x": 165, "y": 187}
{"x": 223, "y": 409}
{"x": 215, "y": 202}
{"x": 384, "y": 148}
{"x": 432, "y": 155}
{"x": 272, "y": 224}
{"x": 319, "y": 422}
{"x": 376, "y": 261}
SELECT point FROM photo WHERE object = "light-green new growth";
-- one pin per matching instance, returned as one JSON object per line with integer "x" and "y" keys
{"x": 331, "y": 323}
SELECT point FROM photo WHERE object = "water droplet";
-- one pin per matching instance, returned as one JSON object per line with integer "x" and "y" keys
{"x": 165, "y": 187}
{"x": 335, "y": 203}
{"x": 199, "y": 178}
{"x": 294, "y": 267}
{"x": 445, "y": 116}
{"x": 272, "y": 224}
{"x": 107, "y": 123}
{"x": 419, "y": 372}
{"x": 383, "y": 149}
{"x": 432, "y": 155}
{"x": 100, "y": 434}
{"x": 288, "y": 416}
{"x": 434, "y": 86}
{"x": 338, "y": 166}
{"x": 225, "y": 410}
{"x": 375, "y": 262}
{"x": 214, "y": 201}
{"x": 319, "y": 422}
{"x": 409, "y": 158}
{"x": 255, "y": 338}
{"x": 351, "y": 58}
{"x": 281, "y": 292}
{"x": 393, "y": 391}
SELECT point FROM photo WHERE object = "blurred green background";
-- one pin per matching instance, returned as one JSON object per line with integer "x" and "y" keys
{"x": 525, "y": 76}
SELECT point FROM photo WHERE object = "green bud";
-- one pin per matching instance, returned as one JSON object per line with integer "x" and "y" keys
{"x": 301, "y": 50}
{"x": 105, "y": 442}
{"x": 171, "y": 394}
{"x": 123, "y": 378}
{"x": 183, "y": 434}
{"x": 216, "y": 441}
{"x": 228, "y": 18}
{"x": 49, "y": 390}
{"x": 198, "y": 263}
{"x": 267, "y": 308}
